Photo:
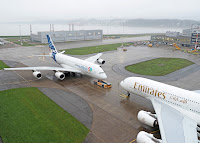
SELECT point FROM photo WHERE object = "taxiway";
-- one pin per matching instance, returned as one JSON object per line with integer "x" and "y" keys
{"x": 113, "y": 114}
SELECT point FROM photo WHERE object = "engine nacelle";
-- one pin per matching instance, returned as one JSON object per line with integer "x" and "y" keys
{"x": 146, "y": 118}
{"x": 144, "y": 137}
{"x": 37, "y": 74}
{"x": 60, "y": 75}
{"x": 100, "y": 61}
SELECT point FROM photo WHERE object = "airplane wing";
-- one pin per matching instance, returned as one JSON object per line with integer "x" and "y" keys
{"x": 69, "y": 69}
{"x": 93, "y": 58}
{"x": 174, "y": 126}
{"x": 197, "y": 91}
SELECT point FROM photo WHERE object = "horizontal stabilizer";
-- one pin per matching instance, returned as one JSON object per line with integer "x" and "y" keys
{"x": 41, "y": 56}
{"x": 62, "y": 52}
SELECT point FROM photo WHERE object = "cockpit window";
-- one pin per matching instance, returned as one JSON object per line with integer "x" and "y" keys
{"x": 101, "y": 73}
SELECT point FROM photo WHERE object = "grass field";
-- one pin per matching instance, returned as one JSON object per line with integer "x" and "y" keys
{"x": 16, "y": 40}
{"x": 159, "y": 66}
{"x": 27, "y": 115}
{"x": 25, "y": 40}
{"x": 92, "y": 49}
{"x": 3, "y": 65}
{"x": 14, "y": 36}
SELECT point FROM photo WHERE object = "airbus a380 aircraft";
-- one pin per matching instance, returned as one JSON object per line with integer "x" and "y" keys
{"x": 69, "y": 64}
{"x": 177, "y": 111}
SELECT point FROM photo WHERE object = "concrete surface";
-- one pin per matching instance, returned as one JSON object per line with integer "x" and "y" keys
{"x": 70, "y": 102}
{"x": 174, "y": 76}
{"x": 114, "y": 114}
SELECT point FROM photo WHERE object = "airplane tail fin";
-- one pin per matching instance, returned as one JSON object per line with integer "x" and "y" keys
{"x": 51, "y": 45}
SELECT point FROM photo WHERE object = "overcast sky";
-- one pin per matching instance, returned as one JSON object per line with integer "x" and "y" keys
{"x": 27, "y": 10}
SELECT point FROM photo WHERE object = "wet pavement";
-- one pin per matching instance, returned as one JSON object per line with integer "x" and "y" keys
{"x": 114, "y": 114}
{"x": 69, "y": 101}
{"x": 174, "y": 76}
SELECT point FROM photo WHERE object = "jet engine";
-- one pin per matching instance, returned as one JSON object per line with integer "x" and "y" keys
{"x": 100, "y": 61}
{"x": 60, "y": 75}
{"x": 37, "y": 74}
{"x": 147, "y": 118}
{"x": 144, "y": 137}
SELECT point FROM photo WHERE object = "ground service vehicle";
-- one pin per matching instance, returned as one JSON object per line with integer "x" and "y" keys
{"x": 174, "y": 44}
{"x": 124, "y": 49}
{"x": 103, "y": 83}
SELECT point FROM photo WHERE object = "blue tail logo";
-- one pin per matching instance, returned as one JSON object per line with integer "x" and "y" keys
{"x": 52, "y": 47}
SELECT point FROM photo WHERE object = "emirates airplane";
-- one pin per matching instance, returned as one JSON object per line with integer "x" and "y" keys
{"x": 177, "y": 111}
{"x": 69, "y": 64}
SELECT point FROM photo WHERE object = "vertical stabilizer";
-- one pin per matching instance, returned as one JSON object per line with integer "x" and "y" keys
{"x": 52, "y": 47}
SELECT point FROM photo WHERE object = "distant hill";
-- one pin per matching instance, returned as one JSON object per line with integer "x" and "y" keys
{"x": 176, "y": 23}
{"x": 145, "y": 22}
{"x": 161, "y": 23}
{"x": 141, "y": 22}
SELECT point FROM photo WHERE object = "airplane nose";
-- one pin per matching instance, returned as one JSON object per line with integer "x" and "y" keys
{"x": 104, "y": 76}
{"x": 122, "y": 83}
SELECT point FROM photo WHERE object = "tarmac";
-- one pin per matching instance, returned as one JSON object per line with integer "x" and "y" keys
{"x": 113, "y": 114}
{"x": 69, "y": 101}
{"x": 174, "y": 76}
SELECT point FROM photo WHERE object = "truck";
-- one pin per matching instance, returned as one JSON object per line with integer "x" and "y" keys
{"x": 150, "y": 45}
{"x": 102, "y": 83}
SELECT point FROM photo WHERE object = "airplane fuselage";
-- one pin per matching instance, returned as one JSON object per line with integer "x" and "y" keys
{"x": 185, "y": 101}
{"x": 69, "y": 64}
{"x": 86, "y": 68}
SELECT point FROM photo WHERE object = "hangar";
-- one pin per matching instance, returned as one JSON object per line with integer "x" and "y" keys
{"x": 65, "y": 36}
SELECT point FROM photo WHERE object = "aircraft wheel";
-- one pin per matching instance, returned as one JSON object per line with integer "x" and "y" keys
{"x": 67, "y": 73}
{"x": 73, "y": 73}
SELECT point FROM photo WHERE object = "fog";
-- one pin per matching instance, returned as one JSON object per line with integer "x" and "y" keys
{"x": 36, "y": 10}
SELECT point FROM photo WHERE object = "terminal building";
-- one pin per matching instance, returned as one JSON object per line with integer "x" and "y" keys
{"x": 171, "y": 37}
{"x": 193, "y": 34}
{"x": 65, "y": 36}
{"x": 187, "y": 38}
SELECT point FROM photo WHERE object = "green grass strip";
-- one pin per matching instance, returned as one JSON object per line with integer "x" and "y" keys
{"x": 92, "y": 49}
{"x": 3, "y": 65}
{"x": 159, "y": 66}
{"x": 14, "y": 37}
{"x": 16, "y": 40}
{"x": 29, "y": 116}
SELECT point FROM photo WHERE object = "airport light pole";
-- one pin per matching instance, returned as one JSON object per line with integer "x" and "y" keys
{"x": 122, "y": 38}
{"x": 20, "y": 35}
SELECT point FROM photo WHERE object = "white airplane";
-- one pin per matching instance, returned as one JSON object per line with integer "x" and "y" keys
{"x": 177, "y": 111}
{"x": 69, "y": 64}
{"x": 1, "y": 42}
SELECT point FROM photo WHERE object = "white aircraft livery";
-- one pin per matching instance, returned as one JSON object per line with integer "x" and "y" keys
{"x": 69, "y": 64}
{"x": 177, "y": 111}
